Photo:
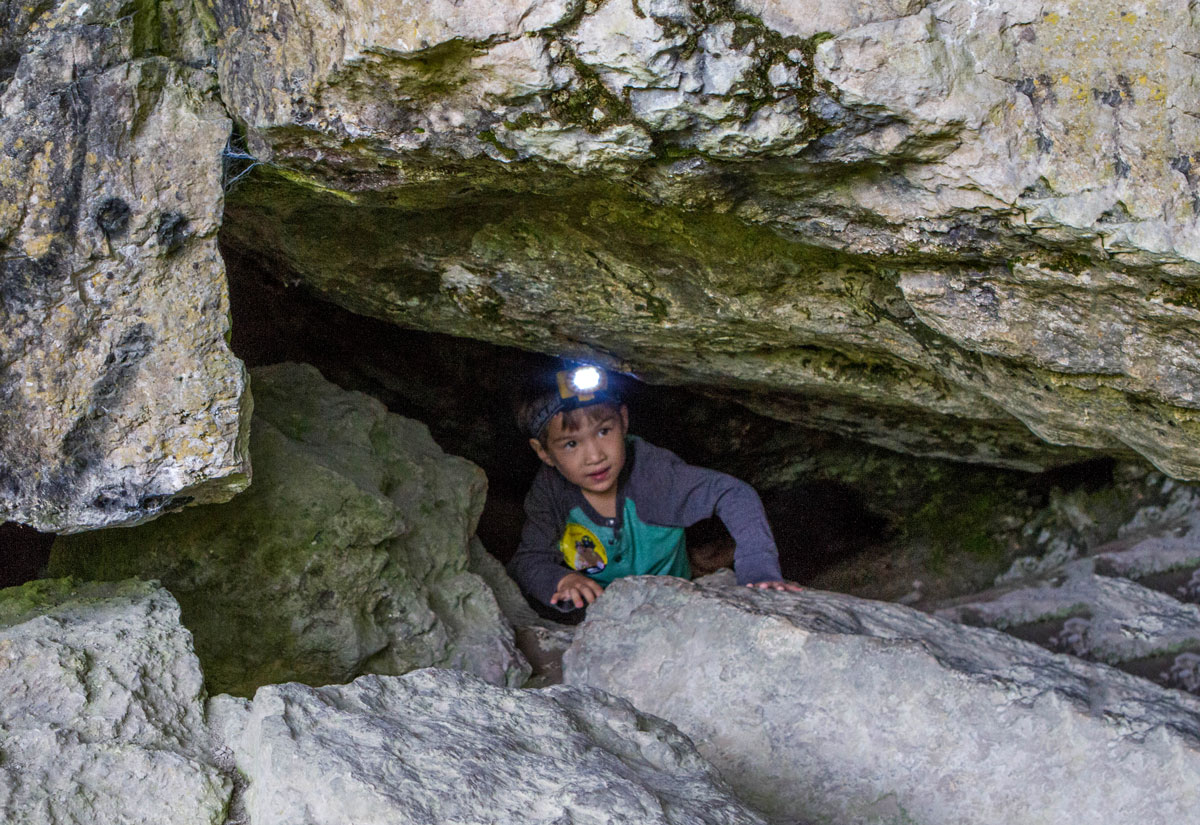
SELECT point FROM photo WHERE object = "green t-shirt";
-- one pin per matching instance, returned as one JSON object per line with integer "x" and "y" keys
{"x": 606, "y": 553}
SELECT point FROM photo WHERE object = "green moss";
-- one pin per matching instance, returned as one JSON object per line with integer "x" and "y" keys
{"x": 149, "y": 89}
{"x": 489, "y": 137}
{"x": 768, "y": 46}
{"x": 147, "y": 39}
{"x": 715, "y": 11}
{"x": 208, "y": 21}
{"x": 43, "y": 596}
{"x": 577, "y": 104}
{"x": 1182, "y": 297}
{"x": 440, "y": 70}
{"x": 953, "y": 523}
{"x": 654, "y": 306}
{"x": 1071, "y": 262}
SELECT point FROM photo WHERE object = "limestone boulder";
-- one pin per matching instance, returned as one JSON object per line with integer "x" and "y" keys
{"x": 119, "y": 396}
{"x": 954, "y": 230}
{"x": 443, "y": 746}
{"x": 541, "y": 641}
{"x": 348, "y": 554}
{"x": 1131, "y": 603}
{"x": 837, "y": 709}
{"x": 102, "y": 719}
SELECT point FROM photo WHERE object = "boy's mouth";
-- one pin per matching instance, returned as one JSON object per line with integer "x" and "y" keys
{"x": 599, "y": 475}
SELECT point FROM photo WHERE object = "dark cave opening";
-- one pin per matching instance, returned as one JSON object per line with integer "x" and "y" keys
{"x": 23, "y": 553}
{"x": 833, "y": 507}
{"x": 462, "y": 390}
{"x": 832, "y": 503}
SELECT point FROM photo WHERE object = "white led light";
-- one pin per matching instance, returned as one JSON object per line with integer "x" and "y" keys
{"x": 585, "y": 379}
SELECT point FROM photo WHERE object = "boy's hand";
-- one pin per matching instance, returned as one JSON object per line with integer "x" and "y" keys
{"x": 576, "y": 588}
{"x": 790, "y": 587}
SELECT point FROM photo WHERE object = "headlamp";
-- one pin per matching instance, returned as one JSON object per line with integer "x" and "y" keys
{"x": 581, "y": 383}
{"x": 578, "y": 387}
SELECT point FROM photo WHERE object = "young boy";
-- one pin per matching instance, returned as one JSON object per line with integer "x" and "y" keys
{"x": 607, "y": 505}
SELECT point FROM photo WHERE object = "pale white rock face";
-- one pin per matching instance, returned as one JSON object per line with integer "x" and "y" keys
{"x": 838, "y": 709}
{"x": 776, "y": 128}
{"x": 415, "y": 25}
{"x": 120, "y": 396}
{"x": 627, "y": 48}
{"x": 102, "y": 720}
{"x": 440, "y": 746}
{"x": 724, "y": 65}
{"x": 807, "y": 18}
{"x": 578, "y": 148}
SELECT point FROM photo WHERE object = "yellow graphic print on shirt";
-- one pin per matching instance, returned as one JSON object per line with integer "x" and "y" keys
{"x": 582, "y": 550}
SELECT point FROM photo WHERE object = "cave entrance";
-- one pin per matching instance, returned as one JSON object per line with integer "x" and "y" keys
{"x": 847, "y": 516}
{"x": 462, "y": 390}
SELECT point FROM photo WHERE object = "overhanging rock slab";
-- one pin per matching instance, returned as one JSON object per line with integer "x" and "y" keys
{"x": 829, "y": 708}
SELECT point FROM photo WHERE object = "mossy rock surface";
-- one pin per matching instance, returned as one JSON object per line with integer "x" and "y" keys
{"x": 347, "y": 555}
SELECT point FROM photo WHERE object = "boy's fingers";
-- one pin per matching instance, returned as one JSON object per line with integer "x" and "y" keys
{"x": 587, "y": 591}
{"x": 790, "y": 587}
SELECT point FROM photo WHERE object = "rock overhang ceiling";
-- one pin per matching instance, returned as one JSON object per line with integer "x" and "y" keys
{"x": 957, "y": 230}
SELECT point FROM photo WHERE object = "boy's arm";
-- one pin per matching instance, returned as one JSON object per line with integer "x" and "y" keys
{"x": 537, "y": 565}
{"x": 691, "y": 494}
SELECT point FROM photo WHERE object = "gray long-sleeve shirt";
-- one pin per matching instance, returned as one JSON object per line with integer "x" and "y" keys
{"x": 658, "y": 494}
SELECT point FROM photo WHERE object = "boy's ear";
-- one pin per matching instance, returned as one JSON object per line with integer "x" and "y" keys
{"x": 624, "y": 419}
{"x": 541, "y": 451}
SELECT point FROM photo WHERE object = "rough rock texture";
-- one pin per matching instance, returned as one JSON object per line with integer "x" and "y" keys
{"x": 102, "y": 719}
{"x": 838, "y": 709}
{"x": 954, "y": 229}
{"x": 1131, "y": 603}
{"x": 347, "y": 555}
{"x": 119, "y": 397}
{"x": 440, "y": 746}
{"x": 541, "y": 641}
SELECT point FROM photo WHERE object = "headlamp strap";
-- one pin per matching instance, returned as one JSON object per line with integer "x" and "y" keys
{"x": 568, "y": 398}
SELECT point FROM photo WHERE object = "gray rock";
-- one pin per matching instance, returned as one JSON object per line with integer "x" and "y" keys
{"x": 348, "y": 554}
{"x": 1110, "y": 620}
{"x": 832, "y": 708}
{"x": 956, "y": 230}
{"x": 544, "y": 648}
{"x": 102, "y": 719}
{"x": 1131, "y": 603}
{"x": 438, "y": 746}
{"x": 541, "y": 641}
{"x": 119, "y": 396}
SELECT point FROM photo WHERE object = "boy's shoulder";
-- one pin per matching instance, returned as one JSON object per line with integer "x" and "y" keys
{"x": 640, "y": 449}
{"x": 650, "y": 463}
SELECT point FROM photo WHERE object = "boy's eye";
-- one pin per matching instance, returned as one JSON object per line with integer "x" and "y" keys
{"x": 605, "y": 431}
{"x": 570, "y": 445}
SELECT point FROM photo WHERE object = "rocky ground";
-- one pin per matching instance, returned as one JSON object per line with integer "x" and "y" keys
{"x": 836, "y": 709}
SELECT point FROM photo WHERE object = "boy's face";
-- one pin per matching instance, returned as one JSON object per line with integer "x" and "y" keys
{"x": 590, "y": 457}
